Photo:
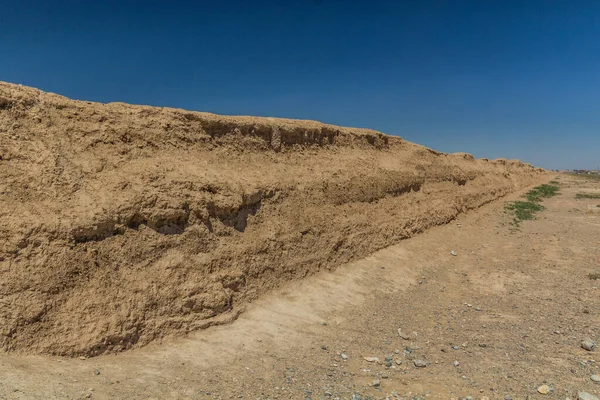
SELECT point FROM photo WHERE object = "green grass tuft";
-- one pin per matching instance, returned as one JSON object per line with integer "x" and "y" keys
{"x": 587, "y": 196}
{"x": 526, "y": 210}
{"x": 541, "y": 192}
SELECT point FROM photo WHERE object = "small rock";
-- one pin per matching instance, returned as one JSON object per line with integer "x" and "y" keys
{"x": 372, "y": 359}
{"x": 419, "y": 363}
{"x": 398, "y": 362}
{"x": 376, "y": 383}
{"x": 586, "y": 396}
{"x": 402, "y": 334}
{"x": 453, "y": 253}
{"x": 595, "y": 378}
{"x": 477, "y": 308}
{"x": 323, "y": 347}
{"x": 455, "y": 348}
{"x": 344, "y": 356}
{"x": 96, "y": 372}
{"x": 544, "y": 389}
{"x": 588, "y": 345}
{"x": 508, "y": 397}
{"x": 456, "y": 363}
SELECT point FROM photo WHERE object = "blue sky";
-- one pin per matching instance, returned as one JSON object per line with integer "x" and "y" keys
{"x": 495, "y": 78}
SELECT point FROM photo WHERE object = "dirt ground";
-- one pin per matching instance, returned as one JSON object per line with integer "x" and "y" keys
{"x": 504, "y": 316}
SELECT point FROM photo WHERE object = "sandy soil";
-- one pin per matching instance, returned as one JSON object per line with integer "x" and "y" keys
{"x": 124, "y": 225}
{"x": 515, "y": 304}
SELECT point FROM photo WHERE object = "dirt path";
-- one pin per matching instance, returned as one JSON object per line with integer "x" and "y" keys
{"x": 502, "y": 317}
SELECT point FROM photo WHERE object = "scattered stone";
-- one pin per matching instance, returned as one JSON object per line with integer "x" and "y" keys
{"x": 455, "y": 347}
{"x": 453, "y": 253}
{"x": 586, "y": 396}
{"x": 544, "y": 389}
{"x": 595, "y": 378}
{"x": 96, "y": 372}
{"x": 372, "y": 359}
{"x": 419, "y": 363}
{"x": 402, "y": 334}
{"x": 482, "y": 345}
{"x": 456, "y": 363}
{"x": 323, "y": 347}
{"x": 508, "y": 397}
{"x": 83, "y": 358}
{"x": 376, "y": 383}
{"x": 588, "y": 345}
{"x": 477, "y": 308}
{"x": 344, "y": 356}
{"x": 399, "y": 362}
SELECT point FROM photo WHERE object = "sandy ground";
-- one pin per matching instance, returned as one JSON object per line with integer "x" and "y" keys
{"x": 504, "y": 316}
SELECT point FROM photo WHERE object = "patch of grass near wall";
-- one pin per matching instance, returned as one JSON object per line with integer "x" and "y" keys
{"x": 524, "y": 210}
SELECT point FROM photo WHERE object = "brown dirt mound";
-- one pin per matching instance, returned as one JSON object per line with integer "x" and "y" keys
{"x": 121, "y": 224}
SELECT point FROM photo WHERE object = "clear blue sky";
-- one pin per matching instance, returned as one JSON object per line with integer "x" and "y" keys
{"x": 513, "y": 79}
